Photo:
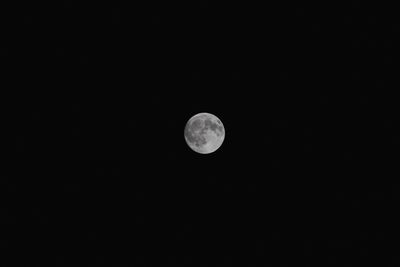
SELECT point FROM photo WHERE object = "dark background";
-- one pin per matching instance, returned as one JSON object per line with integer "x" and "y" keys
{"x": 97, "y": 171}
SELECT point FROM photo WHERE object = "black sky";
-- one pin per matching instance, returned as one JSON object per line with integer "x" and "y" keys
{"x": 97, "y": 169}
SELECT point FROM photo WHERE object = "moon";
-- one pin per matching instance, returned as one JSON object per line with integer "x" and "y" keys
{"x": 212, "y": 141}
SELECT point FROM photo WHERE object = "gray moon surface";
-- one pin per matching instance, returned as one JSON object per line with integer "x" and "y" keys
{"x": 213, "y": 142}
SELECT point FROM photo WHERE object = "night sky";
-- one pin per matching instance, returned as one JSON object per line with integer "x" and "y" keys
{"x": 97, "y": 170}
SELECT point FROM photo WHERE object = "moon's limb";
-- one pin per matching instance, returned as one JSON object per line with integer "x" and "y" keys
{"x": 203, "y": 116}
{"x": 213, "y": 144}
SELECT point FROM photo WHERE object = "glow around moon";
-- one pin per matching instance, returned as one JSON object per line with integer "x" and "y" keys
{"x": 211, "y": 141}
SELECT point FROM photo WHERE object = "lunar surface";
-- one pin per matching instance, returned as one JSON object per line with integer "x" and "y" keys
{"x": 204, "y": 133}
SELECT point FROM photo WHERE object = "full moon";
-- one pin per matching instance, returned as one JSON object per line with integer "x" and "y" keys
{"x": 204, "y": 133}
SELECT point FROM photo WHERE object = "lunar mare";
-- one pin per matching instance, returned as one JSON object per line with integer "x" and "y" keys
{"x": 212, "y": 140}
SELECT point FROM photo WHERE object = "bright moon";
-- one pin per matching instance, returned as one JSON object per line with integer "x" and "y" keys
{"x": 200, "y": 137}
